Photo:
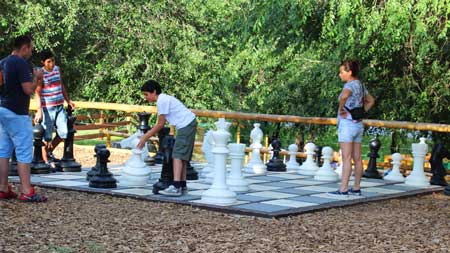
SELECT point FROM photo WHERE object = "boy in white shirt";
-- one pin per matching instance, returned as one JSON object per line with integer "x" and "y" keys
{"x": 170, "y": 109}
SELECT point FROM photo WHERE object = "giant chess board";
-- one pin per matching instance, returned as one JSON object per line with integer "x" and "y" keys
{"x": 275, "y": 194}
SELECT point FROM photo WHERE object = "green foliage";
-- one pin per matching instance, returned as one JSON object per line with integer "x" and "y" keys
{"x": 272, "y": 56}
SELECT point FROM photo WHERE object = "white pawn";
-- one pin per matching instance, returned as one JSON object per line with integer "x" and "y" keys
{"x": 326, "y": 172}
{"x": 136, "y": 172}
{"x": 395, "y": 174}
{"x": 235, "y": 180}
{"x": 207, "y": 146}
{"x": 292, "y": 164}
{"x": 309, "y": 167}
{"x": 219, "y": 193}
{"x": 417, "y": 176}
{"x": 256, "y": 165}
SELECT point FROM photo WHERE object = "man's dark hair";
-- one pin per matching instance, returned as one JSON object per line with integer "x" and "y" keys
{"x": 351, "y": 65}
{"x": 46, "y": 54}
{"x": 151, "y": 86}
{"x": 20, "y": 41}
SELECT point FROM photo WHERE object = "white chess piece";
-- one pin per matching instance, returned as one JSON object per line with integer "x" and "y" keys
{"x": 417, "y": 176}
{"x": 340, "y": 164}
{"x": 135, "y": 172}
{"x": 235, "y": 180}
{"x": 256, "y": 165}
{"x": 309, "y": 167}
{"x": 395, "y": 174}
{"x": 292, "y": 164}
{"x": 326, "y": 172}
{"x": 128, "y": 142}
{"x": 219, "y": 193}
{"x": 207, "y": 151}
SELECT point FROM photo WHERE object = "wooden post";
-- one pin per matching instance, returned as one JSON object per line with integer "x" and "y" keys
{"x": 238, "y": 133}
{"x": 108, "y": 135}
{"x": 101, "y": 121}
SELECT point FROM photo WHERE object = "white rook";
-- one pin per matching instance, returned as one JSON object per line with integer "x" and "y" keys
{"x": 309, "y": 167}
{"x": 326, "y": 172}
{"x": 292, "y": 164}
{"x": 219, "y": 193}
{"x": 395, "y": 174}
{"x": 417, "y": 176}
{"x": 235, "y": 180}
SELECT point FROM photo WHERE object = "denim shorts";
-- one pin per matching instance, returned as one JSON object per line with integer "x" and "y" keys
{"x": 350, "y": 131}
{"x": 184, "y": 142}
{"x": 54, "y": 117}
{"x": 16, "y": 132}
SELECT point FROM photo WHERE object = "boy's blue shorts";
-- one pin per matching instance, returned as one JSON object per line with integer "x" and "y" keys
{"x": 16, "y": 131}
{"x": 54, "y": 117}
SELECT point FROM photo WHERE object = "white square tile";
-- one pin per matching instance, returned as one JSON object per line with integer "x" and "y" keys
{"x": 290, "y": 176}
{"x": 135, "y": 191}
{"x": 366, "y": 183}
{"x": 253, "y": 181}
{"x": 256, "y": 187}
{"x": 316, "y": 188}
{"x": 275, "y": 195}
{"x": 306, "y": 182}
{"x": 290, "y": 203}
{"x": 65, "y": 177}
{"x": 66, "y": 183}
{"x": 382, "y": 190}
{"x": 198, "y": 186}
{"x": 327, "y": 196}
{"x": 237, "y": 202}
{"x": 420, "y": 187}
{"x": 196, "y": 193}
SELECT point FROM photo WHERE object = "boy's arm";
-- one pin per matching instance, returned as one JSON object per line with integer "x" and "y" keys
{"x": 159, "y": 125}
{"x": 38, "y": 115}
{"x": 64, "y": 91}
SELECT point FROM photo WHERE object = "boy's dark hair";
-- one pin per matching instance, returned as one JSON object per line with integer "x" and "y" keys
{"x": 46, "y": 54}
{"x": 351, "y": 65}
{"x": 20, "y": 41}
{"x": 151, "y": 86}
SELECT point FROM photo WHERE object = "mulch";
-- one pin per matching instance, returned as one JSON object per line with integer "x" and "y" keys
{"x": 83, "y": 222}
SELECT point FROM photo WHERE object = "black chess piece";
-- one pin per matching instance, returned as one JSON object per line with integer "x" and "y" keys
{"x": 276, "y": 163}
{"x": 56, "y": 162}
{"x": 96, "y": 169}
{"x": 13, "y": 165}
{"x": 191, "y": 173}
{"x": 103, "y": 179}
{"x": 371, "y": 171}
{"x": 167, "y": 168}
{"x": 318, "y": 152}
{"x": 143, "y": 122}
{"x": 68, "y": 162}
{"x": 38, "y": 165}
{"x": 438, "y": 153}
{"x": 159, "y": 157}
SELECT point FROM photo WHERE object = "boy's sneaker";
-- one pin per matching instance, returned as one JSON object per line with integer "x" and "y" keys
{"x": 338, "y": 193}
{"x": 354, "y": 192}
{"x": 32, "y": 197}
{"x": 171, "y": 191}
{"x": 9, "y": 194}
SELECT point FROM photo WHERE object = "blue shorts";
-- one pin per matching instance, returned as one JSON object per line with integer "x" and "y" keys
{"x": 54, "y": 117}
{"x": 16, "y": 131}
{"x": 349, "y": 131}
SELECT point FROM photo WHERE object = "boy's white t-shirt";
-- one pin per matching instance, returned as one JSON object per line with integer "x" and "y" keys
{"x": 177, "y": 114}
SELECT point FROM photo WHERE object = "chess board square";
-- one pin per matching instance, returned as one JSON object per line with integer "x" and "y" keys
{"x": 66, "y": 183}
{"x": 198, "y": 186}
{"x": 289, "y": 176}
{"x": 289, "y": 203}
{"x": 184, "y": 197}
{"x": 238, "y": 202}
{"x": 312, "y": 199}
{"x": 253, "y": 181}
{"x": 307, "y": 182}
{"x": 258, "y": 187}
{"x": 365, "y": 183}
{"x": 267, "y": 178}
{"x": 250, "y": 198}
{"x": 317, "y": 188}
{"x": 196, "y": 193}
{"x": 283, "y": 184}
{"x": 37, "y": 179}
{"x": 262, "y": 207}
{"x": 273, "y": 195}
{"x": 295, "y": 191}
{"x": 421, "y": 187}
{"x": 135, "y": 191}
{"x": 337, "y": 197}
{"x": 401, "y": 187}
{"x": 382, "y": 190}
{"x": 64, "y": 176}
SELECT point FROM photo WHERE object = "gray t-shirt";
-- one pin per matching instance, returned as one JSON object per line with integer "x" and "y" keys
{"x": 355, "y": 99}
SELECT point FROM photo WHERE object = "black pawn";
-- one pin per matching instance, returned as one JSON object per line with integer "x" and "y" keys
{"x": 318, "y": 152}
{"x": 38, "y": 166}
{"x": 159, "y": 157}
{"x": 143, "y": 122}
{"x": 103, "y": 179}
{"x": 13, "y": 165}
{"x": 68, "y": 162}
{"x": 371, "y": 171}
{"x": 438, "y": 153}
{"x": 167, "y": 168}
{"x": 276, "y": 164}
{"x": 96, "y": 169}
{"x": 191, "y": 173}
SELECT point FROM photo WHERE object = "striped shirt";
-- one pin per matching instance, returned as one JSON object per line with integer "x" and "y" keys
{"x": 51, "y": 93}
